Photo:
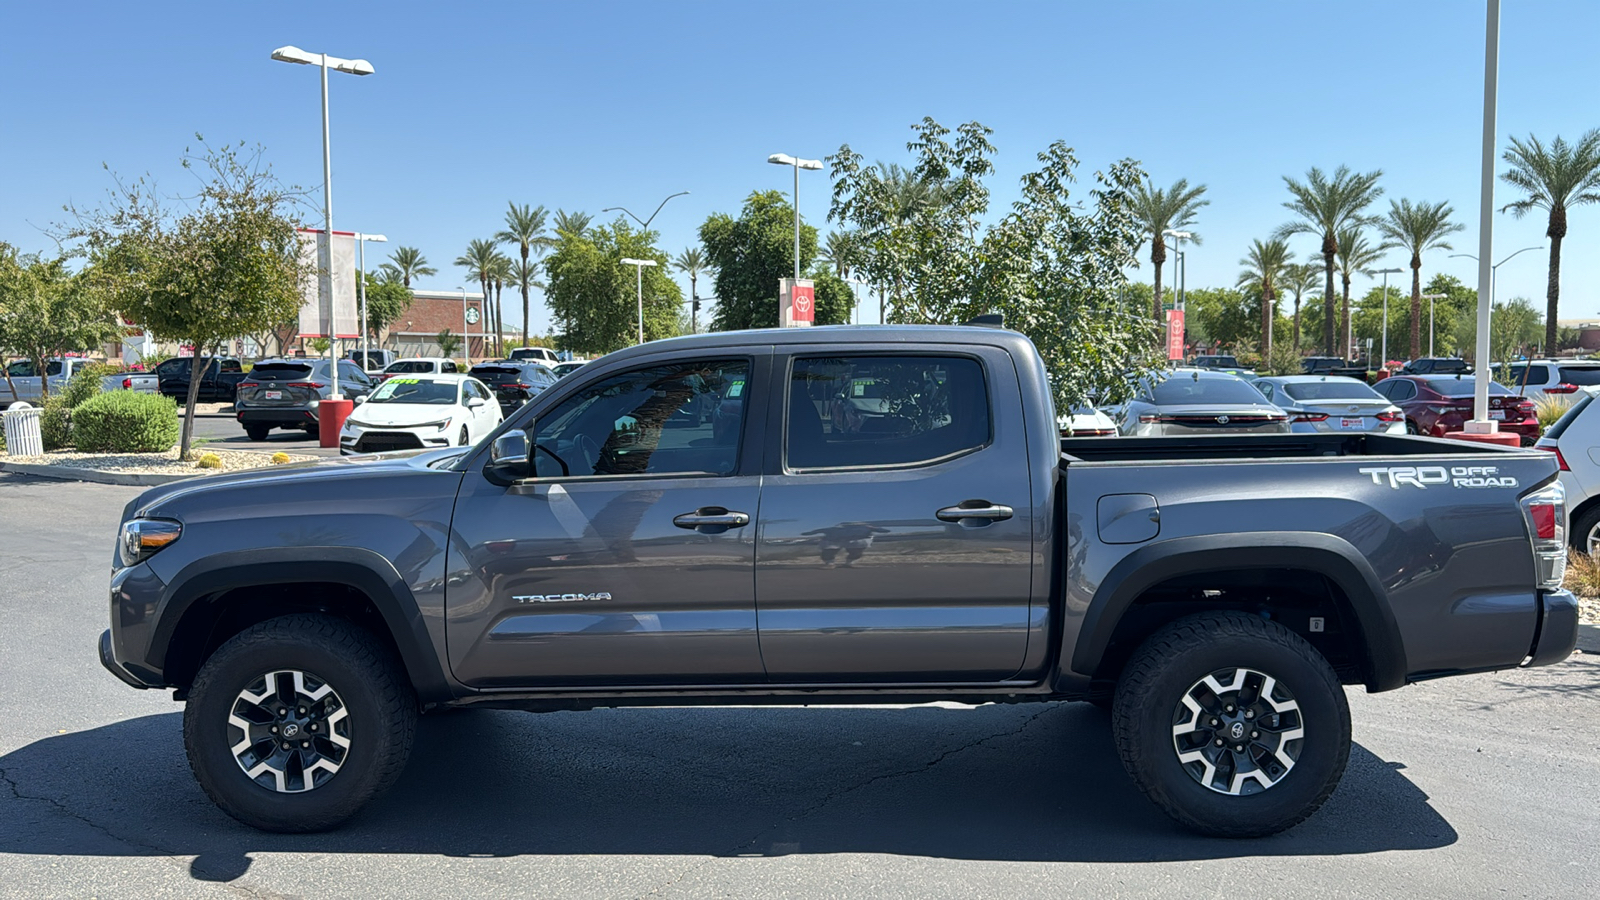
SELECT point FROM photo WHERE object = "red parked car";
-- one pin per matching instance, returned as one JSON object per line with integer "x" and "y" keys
{"x": 1435, "y": 404}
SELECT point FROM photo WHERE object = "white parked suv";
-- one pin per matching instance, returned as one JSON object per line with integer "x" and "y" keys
{"x": 1562, "y": 377}
{"x": 1575, "y": 440}
{"x": 420, "y": 365}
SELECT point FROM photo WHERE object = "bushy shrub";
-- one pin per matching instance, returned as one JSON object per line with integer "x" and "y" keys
{"x": 1583, "y": 574}
{"x": 55, "y": 422}
{"x": 1549, "y": 408}
{"x": 125, "y": 422}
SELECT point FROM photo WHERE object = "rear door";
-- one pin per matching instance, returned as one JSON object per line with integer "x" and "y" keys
{"x": 895, "y": 541}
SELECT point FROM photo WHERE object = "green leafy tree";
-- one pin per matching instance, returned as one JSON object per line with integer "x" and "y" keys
{"x": 1418, "y": 228}
{"x": 1226, "y": 316}
{"x": 409, "y": 263}
{"x": 833, "y": 297}
{"x": 1159, "y": 210}
{"x": 229, "y": 265}
{"x": 1555, "y": 179}
{"x": 1357, "y": 256}
{"x": 46, "y": 310}
{"x": 912, "y": 225}
{"x": 1300, "y": 279}
{"x": 593, "y": 296}
{"x": 1514, "y": 328}
{"x": 1324, "y": 206}
{"x": 448, "y": 341}
{"x": 1052, "y": 267}
{"x": 386, "y": 301}
{"x": 751, "y": 253}
{"x": 525, "y": 228}
{"x": 1264, "y": 266}
{"x": 693, "y": 263}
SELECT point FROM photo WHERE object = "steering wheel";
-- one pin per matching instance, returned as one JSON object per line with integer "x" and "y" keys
{"x": 588, "y": 452}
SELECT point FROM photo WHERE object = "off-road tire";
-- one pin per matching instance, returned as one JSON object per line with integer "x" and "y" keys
{"x": 258, "y": 432}
{"x": 1163, "y": 670}
{"x": 382, "y": 715}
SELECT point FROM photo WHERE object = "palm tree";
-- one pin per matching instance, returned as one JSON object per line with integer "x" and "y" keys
{"x": 692, "y": 262}
{"x": 1300, "y": 279}
{"x": 498, "y": 276}
{"x": 1555, "y": 179}
{"x": 1324, "y": 206}
{"x": 1418, "y": 227}
{"x": 389, "y": 273}
{"x": 525, "y": 272}
{"x": 411, "y": 264}
{"x": 1264, "y": 267}
{"x": 1160, "y": 210}
{"x": 525, "y": 228}
{"x": 1356, "y": 257}
{"x": 572, "y": 224}
{"x": 839, "y": 252}
{"x": 479, "y": 261}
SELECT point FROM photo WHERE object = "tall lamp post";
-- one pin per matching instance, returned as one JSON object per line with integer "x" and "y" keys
{"x": 466, "y": 340}
{"x": 1430, "y": 298}
{"x": 1385, "y": 273}
{"x": 639, "y": 265}
{"x": 361, "y": 280}
{"x": 644, "y": 223}
{"x": 353, "y": 67}
{"x": 1494, "y": 270}
{"x": 784, "y": 159}
{"x": 1481, "y": 423}
{"x": 1180, "y": 267}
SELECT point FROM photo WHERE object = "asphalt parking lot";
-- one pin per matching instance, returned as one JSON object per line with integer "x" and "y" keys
{"x": 1477, "y": 786}
{"x": 215, "y": 424}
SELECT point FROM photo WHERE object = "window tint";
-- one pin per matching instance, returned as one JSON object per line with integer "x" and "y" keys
{"x": 1182, "y": 389}
{"x": 1402, "y": 390}
{"x": 1580, "y": 375}
{"x": 231, "y": 365}
{"x": 1536, "y": 375}
{"x": 1332, "y": 389}
{"x": 1265, "y": 388}
{"x": 884, "y": 411}
{"x": 1225, "y": 362}
{"x": 681, "y": 418}
{"x": 280, "y": 371}
{"x": 412, "y": 366}
{"x": 1567, "y": 418}
{"x": 448, "y": 366}
{"x": 1461, "y": 387}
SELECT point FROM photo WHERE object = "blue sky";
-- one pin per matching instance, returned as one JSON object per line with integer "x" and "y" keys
{"x": 589, "y": 105}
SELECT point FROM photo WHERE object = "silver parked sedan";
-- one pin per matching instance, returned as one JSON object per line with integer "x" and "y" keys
{"x": 1200, "y": 402}
{"x": 1332, "y": 403}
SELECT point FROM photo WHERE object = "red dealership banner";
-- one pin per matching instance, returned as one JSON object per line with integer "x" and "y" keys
{"x": 1175, "y": 334}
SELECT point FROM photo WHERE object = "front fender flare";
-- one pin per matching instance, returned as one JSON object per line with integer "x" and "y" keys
{"x": 1328, "y": 555}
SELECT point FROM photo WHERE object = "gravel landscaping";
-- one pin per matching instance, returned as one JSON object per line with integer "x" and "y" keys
{"x": 1589, "y": 610}
{"x": 156, "y": 463}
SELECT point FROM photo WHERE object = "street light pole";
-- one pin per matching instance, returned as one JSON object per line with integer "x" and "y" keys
{"x": 295, "y": 55}
{"x": 1494, "y": 270}
{"x": 466, "y": 341}
{"x": 639, "y": 265}
{"x": 644, "y": 223}
{"x": 1481, "y": 423}
{"x": 1385, "y": 273}
{"x": 1430, "y": 298}
{"x": 361, "y": 281}
{"x": 783, "y": 159}
{"x": 1180, "y": 267}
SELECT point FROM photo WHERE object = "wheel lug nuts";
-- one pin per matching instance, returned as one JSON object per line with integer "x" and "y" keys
{"x": 285, "y": 745}
{"x": 1249, "y": 714}
{"x": 273, "y": 729}
{"x": 283, "y": 712}
{"x": 1215, "y": 722}
{"x": 313, "y": 727}
{"x": 1229, "y": 709}
{"x": 302, "y": 710}
{"x": 1239, "y": 749}
{"x": 1219, "y": 742}
{"x": 305, "y": 743}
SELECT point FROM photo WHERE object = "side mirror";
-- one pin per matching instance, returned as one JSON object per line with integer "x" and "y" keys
{"x": 477, "y": 403}
{"x": 360, "y": 399}
{"x": 508, "y": 459}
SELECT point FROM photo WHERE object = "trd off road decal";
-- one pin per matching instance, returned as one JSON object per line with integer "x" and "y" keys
{"x": 1454, "y": 476}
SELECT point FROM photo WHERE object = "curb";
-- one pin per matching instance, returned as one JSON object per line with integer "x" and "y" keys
{"x": 68, "y": 473}
{"x": 1589, "y": 638}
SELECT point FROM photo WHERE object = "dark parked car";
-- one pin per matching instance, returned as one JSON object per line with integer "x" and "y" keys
{"x": 220, "y": 383}
{"x": 513, "y": 381}
{"x": 284, "y": 393}
{"x": 1436, "y": 365}
{"x": 1331, "y": 365}
{"x": 1223, "y": 363}
{"x": 1436, "y": 404}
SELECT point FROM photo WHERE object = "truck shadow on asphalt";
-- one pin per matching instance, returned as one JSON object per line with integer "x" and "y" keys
{"x": 1019, "y": 783}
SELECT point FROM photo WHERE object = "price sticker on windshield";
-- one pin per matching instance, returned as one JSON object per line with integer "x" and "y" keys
{"x": 736, "y": 389}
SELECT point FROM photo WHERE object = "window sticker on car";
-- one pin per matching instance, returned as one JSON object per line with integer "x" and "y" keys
{"x": 405, "y": 381}
{"x": 736, "y": 389}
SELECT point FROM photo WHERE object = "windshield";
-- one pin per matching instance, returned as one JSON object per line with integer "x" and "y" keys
{"x": 1343, "y": 389}
{"x": 1228, "y": 362}
{"x": 280, "y": 371}
{"x": 1461, "y": 387}
{"x": 417, "y": 390}
{"x": 411, "y": 366}
{"x": 1180, "y": 390}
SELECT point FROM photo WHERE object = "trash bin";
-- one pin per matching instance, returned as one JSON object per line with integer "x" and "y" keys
{"x": 22, "y": 431}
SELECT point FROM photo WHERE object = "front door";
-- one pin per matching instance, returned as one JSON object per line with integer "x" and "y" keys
{"x": 895, "y": 542}
{"x": 629, "y": 558}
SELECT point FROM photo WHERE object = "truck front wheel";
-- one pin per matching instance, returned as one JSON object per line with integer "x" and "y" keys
{"x": 1234, "y": 725}
{"x": 295, "y": 723}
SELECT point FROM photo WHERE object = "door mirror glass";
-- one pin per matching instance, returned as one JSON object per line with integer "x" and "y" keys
{"x": 508, "y": 458}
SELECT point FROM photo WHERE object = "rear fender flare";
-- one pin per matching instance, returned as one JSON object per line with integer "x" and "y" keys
{"x": 1328, "y": 555}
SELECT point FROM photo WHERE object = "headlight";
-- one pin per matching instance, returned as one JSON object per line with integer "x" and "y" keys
{"x": 142, "y": 538}
{"x": 352, "y": 423}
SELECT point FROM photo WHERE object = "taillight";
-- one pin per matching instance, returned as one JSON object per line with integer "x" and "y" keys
{"x": 1561, "y": 461}
{"x": 1546, "y": 513}
{"x": 1390, "y": 417}
{"x": 1311, "y": 417}
{"x": 1562, "y": 388}
{"x": 524, "y": 386}
{"x": 245, "y": 384}
{"x": 127, "y": 383}
{"x": 307, "y": 384}
{"x": 1149, "y": 419}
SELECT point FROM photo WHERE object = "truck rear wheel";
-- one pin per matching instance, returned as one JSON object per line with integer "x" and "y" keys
{"x": 296, "y": 722}
{"x": 1235, "y": 726}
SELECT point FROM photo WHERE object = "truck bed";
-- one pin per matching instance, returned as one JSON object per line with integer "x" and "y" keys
{"x": 1264, "y": 446}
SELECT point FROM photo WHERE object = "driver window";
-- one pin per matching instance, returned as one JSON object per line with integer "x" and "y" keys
{"x": 682, "y": 418}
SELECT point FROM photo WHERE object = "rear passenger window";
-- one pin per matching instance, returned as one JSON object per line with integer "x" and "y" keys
{"x": 1583, "y": 376}
{"x": 868, "y": 411}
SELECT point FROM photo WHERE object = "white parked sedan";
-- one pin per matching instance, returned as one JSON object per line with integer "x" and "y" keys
{"x": 415, "y": 412}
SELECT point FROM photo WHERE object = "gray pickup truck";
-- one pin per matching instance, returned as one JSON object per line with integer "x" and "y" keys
{"x": 834, "y": 515}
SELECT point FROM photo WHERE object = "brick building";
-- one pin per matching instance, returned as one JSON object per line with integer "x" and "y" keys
{"x": 415, "y": 331}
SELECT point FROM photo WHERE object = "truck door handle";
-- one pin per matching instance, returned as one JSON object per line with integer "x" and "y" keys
{"x": 712, "y": 520}
{"x": 981, "y": 510}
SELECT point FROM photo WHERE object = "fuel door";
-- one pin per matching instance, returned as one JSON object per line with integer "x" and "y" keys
{"x": 1128, "y": 518}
